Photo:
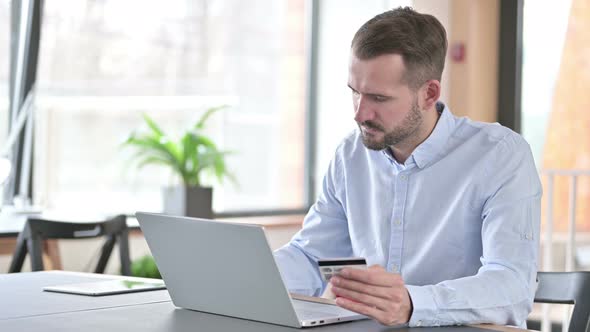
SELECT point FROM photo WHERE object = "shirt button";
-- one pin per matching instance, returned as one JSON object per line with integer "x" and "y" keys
{"x": 397, "y": 222}
{"x": 403, "y": 177}
{"x": 394, "y": 268}
{"x": 419, "y": 323}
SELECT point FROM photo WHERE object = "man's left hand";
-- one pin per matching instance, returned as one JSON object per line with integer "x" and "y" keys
{"x": 375, "y": 293}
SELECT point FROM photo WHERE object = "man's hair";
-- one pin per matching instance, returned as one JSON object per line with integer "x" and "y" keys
{"x": 420, "y": 39}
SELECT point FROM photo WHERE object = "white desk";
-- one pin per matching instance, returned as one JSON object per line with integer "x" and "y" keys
{"x": 22, "y": 295}
{"x": 25, "y": 307}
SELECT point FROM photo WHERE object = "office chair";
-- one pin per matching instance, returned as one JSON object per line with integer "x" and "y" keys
{"x": 38, "y": 229}
{"x": 567, "y": 288}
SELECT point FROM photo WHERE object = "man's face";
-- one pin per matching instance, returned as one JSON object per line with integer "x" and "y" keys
{"x": 386, "y": 109}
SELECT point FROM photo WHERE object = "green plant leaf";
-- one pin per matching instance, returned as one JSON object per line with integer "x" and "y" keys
{"x": 153, "y": 160}
{"x": 152, "y": 124}
{"x": 188, "y": 157}
{"x": 201, "y": 123}
{"x": 152, "y": 150}
{"x": 149, "y": 145}
{"x": 145, "y": 267}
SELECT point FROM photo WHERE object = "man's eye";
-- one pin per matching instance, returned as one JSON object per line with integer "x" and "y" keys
{"x": 379, "y": 98}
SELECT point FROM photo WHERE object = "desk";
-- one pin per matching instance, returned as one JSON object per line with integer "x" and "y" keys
{"x": 25, "y": 307}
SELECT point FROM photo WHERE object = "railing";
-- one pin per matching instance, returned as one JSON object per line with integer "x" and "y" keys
{"x": 570, "y": 244}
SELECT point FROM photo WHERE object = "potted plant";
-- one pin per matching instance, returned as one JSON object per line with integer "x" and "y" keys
{"x": 145, "y": 267}
{"x": 188, "y": 157}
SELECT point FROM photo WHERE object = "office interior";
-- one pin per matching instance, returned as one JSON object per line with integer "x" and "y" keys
{"x": 279, "y": 69}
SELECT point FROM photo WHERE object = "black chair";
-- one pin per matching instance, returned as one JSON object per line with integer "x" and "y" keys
{"x": 38, "y": 229}
{"x": 567, "y": 288}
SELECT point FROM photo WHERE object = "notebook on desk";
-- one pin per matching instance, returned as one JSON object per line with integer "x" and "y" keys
{"x": 228, "y": 269}
{"x": 106, "y": 287}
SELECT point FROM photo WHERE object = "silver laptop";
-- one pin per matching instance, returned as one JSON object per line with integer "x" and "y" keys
{"x": 228, "y": 269}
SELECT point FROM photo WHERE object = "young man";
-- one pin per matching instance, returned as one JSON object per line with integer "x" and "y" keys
{"x": 445, "y": 209}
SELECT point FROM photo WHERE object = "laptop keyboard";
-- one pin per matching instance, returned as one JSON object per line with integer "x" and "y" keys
{"x": 309, "y": 314}
{"x": 309, "y": 310}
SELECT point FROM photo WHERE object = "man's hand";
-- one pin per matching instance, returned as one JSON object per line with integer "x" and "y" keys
{"x": 375, "y": 293}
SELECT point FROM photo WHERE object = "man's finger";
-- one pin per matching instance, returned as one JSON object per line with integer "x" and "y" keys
{"x": 376, "y": 267}
{"x": 360, "y": 287}
{"x": 370, "y": 277}
{"x": 358, "y": 307}
{"x": 369, "y": 300}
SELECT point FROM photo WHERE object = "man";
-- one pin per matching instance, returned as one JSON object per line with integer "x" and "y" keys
{"x": 445, "y": 209}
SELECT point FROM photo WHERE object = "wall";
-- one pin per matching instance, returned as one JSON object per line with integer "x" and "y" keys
{"x": 440, "y": 9}
{"x": 474, "y": 81}
{"x": 469, "y": 86}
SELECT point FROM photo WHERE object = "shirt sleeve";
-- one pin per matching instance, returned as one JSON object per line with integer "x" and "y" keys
{"x": 503, "y": 289}
{"x": 324, "y": 235}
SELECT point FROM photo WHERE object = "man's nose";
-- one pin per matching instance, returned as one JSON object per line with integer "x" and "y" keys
{"x": 362, "y": 110}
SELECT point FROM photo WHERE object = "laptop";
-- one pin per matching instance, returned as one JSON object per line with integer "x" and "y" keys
{"x": 228, "y": 269}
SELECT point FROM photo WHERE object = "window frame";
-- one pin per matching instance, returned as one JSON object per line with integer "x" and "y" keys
{"x": 24, "y": 150}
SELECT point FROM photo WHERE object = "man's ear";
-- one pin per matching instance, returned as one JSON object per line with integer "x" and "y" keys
{"x": 430, "y": 93}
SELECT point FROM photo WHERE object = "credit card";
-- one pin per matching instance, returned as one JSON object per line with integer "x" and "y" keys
{"x": 330, "y": 267}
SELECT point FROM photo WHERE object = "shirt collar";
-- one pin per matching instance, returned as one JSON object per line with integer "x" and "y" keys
{"x": 410, "y": 162}
{"x": 428, "y": 150}
{"x": 425, "y": 153}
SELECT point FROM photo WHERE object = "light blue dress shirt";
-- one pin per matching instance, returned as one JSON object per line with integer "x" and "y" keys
{"x": 459, "y": 221}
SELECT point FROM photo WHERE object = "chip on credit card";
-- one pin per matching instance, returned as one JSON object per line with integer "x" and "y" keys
{"x": 333, "y": 266}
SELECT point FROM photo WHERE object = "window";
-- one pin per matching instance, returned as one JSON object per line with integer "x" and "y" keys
{"x": 539, "y": 74}
{"x": 4, "y": 74}
{"x": 555, "y": 108}
{"x": 103, "y": 63}
{"x": 4, "y": 68}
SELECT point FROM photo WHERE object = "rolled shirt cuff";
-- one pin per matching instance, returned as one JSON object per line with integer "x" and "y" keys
{"x": 425, "y": 310}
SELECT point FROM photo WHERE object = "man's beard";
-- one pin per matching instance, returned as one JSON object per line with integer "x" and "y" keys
{"x": 408, "y": 127}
